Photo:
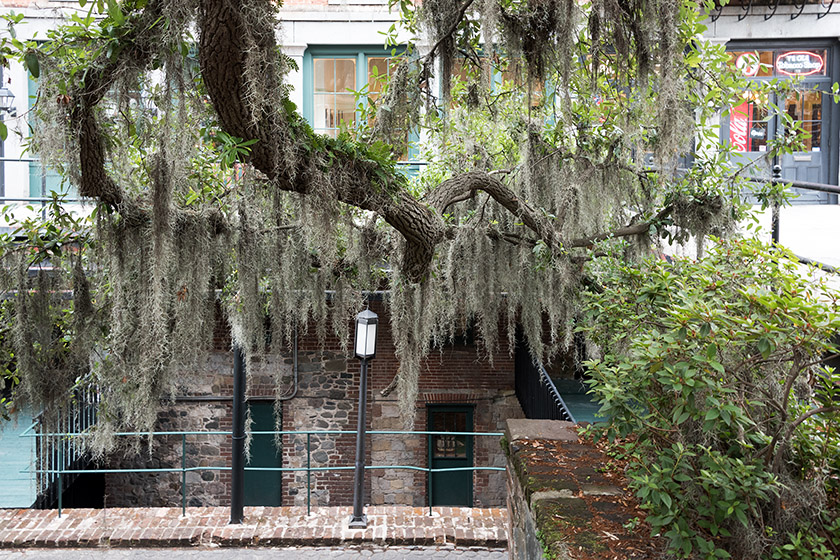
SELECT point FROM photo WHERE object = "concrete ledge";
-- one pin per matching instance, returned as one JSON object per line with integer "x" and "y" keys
{"x": 566, "y": 501}
{"x": 549, "y": 430}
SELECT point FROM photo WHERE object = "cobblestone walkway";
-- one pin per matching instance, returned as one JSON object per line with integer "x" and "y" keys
{"x": 263, "y": 526}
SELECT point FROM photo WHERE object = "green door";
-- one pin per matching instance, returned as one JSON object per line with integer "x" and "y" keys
{"x": 263, "y": 488}
{"x": 454, "y": 488}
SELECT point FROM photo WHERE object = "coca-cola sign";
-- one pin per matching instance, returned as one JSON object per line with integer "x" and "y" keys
{"x": 799, "y": 63}
{"x": 739, "y": 126}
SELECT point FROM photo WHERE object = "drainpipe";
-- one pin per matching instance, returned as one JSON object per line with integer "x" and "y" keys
{"x": 237, "y": 487}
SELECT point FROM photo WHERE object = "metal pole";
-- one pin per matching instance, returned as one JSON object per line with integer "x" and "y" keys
{"x": 183, "y": 475}
{"x": 359, "y": 519}
{"x": 777, "y": 179}
{"x": 308, "y": 474}
{"x": 429, "y": 472}
{"x": 237, "y": 486}
{"x": 60, "y": 485}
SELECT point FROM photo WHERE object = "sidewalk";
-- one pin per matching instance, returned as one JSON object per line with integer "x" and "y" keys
{"x": 263, "y": 526}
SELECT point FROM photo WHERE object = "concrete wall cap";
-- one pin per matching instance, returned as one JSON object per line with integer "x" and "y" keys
{"x": 554, "y": 430}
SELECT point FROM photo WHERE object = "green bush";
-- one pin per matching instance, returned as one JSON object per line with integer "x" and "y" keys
{"x": 712, "y": 374}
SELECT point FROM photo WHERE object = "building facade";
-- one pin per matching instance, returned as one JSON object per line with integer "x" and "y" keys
{"x": 773, "y": 39}
{"x": 312, "y": 387}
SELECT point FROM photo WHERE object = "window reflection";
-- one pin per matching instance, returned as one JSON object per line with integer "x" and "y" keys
{"x": 449, "y": 446}
{"x": 805, "y": 109}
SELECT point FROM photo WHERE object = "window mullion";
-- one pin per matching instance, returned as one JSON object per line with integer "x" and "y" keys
{"x": 361, "y": 81}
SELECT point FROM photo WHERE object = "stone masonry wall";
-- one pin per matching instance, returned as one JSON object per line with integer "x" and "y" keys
{"x": 326, "y": 399}
{"x": 566, "y": 500}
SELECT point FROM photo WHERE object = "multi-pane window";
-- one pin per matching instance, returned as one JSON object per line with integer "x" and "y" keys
{"x": 805, "y": 107}
{"x": 333, "y": 94}
{"x": 506, "y": 72}
{"x": 449, "y": 445}
{"x": 378, "y": 69}
{"x": 333, "y": 75}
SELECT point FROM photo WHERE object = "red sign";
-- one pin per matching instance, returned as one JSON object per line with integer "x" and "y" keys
{"x": 748, "y": 63}
{"x": 799, "y": 63}
{"x": 739, "y": 126}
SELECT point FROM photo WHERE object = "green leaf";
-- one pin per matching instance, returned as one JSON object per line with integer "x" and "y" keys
{"x": 764, "y": 347}
{"x": 711, "y": 351}
{"x": 4, "y": 133}
{"x": 115, "y": 12}
{"x": 31, "y": 61}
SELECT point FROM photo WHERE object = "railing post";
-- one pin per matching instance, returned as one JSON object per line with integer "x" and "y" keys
{"x": 237, "y": 486}
{"x": 60, "y": 489}
{"x": 308, "y": 475}
{"x": 429, "y": 471}
{"x": 183, "y": 474}
{"x": 777, "y": 179}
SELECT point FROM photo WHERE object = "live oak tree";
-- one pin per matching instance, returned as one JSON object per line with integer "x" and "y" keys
{"x": 218, "y": 186}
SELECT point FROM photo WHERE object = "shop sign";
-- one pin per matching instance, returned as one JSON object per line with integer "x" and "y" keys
{"x": 748, "y": 63}
{"x": 799, "y": 63}
{"x": 739, "y": 127}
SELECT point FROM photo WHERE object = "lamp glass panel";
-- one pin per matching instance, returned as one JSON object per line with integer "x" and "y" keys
{"x": 370, "y": 348}
{"x": 361, "y": 342}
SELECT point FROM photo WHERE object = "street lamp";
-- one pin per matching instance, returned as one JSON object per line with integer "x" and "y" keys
{"x": 7, "y": 98}
{"x": 366, "y": 324}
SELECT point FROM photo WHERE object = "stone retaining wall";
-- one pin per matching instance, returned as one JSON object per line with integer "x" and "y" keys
{"x": 565, "y": 499}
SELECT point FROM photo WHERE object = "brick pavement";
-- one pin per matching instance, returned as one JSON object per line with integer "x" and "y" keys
{"x": 263, "y": 526}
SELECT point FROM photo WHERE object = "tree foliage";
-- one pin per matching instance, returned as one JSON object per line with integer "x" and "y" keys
{"x": 714, "y": 370}
{"x": 219, "y": 186}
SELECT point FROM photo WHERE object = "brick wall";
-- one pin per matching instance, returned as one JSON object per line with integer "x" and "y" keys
{"x": 327, "y": 400}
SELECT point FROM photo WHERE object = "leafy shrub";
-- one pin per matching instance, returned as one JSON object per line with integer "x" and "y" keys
{"x": 713, "y": 377}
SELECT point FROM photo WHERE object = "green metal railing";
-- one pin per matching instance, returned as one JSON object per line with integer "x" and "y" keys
{"x": 61, "y": 472}
{"x": 77, "y": 415}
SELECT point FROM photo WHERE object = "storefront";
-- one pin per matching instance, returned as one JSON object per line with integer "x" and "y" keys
{"x": 754, "y": 122}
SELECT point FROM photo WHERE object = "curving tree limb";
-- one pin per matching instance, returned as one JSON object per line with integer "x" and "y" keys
{"x": 228, "y": 36}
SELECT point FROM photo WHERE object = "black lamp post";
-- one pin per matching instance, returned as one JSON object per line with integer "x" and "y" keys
{"x": 237, "y": 463}
{"x": 366, "y": 324}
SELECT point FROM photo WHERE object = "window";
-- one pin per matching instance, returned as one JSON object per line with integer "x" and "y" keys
{"x": 333, "y": 97}
{"x": 504, "y": 73}
{"x": 332, "y": 75}
{"x": 751, "y": 123}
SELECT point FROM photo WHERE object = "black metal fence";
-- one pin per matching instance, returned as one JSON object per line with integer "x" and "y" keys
{"x": 537, "y": 394}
